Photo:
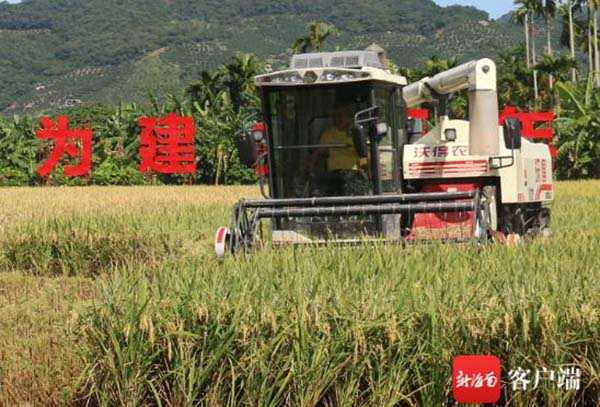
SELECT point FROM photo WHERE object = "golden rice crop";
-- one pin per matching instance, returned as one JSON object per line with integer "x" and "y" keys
{"x": 375, "y": 325}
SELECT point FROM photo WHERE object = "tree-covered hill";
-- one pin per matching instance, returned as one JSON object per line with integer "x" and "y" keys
{"x": 112, "y": 50}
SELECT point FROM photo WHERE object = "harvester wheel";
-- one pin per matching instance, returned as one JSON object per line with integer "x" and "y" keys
{"x": 482, "y": 225}
{"x": 521, "y": 223}
{"x": 490, "y": 203}
{"x": 222, "y": 243}
{"x": 545, "y": 223}
{"x": 487, "y": 216}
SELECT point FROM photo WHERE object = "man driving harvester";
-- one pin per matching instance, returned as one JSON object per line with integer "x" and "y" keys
{"x": 345, "y": 169}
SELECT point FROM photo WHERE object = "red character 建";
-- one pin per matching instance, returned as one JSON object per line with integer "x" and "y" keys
{"x": 65, "y": 143}
{"x": 167, "y": 145}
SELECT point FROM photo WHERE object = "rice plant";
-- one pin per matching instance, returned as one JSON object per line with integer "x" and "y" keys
{"x": 166, "y": 325}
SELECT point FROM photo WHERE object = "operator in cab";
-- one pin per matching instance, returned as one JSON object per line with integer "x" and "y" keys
{"x": 346, "y": 174}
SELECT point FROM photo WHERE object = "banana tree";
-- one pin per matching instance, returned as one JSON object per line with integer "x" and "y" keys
{"x": 578, "y": 131}
{"x": 18, "y": 151}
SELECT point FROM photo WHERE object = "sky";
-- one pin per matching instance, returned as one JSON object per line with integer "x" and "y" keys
{"x": 496, "y": 8}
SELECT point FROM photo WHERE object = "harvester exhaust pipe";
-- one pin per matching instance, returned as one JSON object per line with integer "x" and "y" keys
{"x": 480, "y": 78}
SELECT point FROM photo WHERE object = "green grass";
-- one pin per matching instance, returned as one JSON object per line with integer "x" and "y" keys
{"x": 165, "y": 324}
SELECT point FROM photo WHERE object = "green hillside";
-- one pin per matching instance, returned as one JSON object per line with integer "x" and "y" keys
{"x": 111, "y": 50}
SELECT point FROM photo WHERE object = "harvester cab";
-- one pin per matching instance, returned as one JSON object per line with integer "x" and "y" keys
{"x": 341, "y": 167}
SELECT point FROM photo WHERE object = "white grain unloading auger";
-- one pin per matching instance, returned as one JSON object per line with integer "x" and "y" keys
{"x": 371, "y": 178}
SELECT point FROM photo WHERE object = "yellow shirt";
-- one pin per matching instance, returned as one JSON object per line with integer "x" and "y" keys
{"x": 340, "y": 158}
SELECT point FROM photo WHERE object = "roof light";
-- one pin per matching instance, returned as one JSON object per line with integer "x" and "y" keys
{"x": 450, "y": 135}
{"x": 330, "y": 76}
{"x": 310, "y": 77}
{"x": 287, "y": 77}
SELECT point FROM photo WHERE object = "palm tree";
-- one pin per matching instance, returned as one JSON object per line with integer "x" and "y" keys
{"x": 567, "y": 10}
{"x": 590, "y": 42}
{"x": 548, "y": 10}
{"x": 592, "y": 39}
{"x": 583, "y": 34}
{"x": 315, "y": 39}
{"x": 532, "y": 8}
{"x": 521, "y": 16}
{"x": 560, "y": 67}
{"x": 205, "y": 89}
{"x": 239, "y": 79}
{"x": 555, "y": 68}
{"x": 515, "y": 80}
{"x": 593, "y": 6}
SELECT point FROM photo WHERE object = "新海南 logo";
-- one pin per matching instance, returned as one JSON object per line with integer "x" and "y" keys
{"x": 476, "y": 379}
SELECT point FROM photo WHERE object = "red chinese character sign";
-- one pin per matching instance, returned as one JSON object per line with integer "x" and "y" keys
{"x": 422, "y": 114}
{"x": 167, "y": 145}
{"x": 71, "y": 143}
{"x": 535, "y": 125}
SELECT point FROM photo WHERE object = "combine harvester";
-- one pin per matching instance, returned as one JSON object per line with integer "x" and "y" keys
{"x": 343, "y": 164}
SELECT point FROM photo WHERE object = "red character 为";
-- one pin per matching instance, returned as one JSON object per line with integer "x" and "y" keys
{"x": 65, "y": 143}
{"x": 167, "y": 145}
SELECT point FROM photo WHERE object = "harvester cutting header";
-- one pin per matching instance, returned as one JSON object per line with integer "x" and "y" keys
{"x": 344, "y": 164}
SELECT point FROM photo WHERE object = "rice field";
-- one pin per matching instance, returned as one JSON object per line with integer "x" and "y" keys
{"x": 111, "y": 297}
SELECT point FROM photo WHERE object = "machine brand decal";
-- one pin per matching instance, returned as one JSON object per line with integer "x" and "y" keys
{"x": 541, "y": 171}
{"x": 460, "y": 151}
{"x": 440, "y": 168}
{"x": 440, "y": 151}
{"x": 548, "y": 188}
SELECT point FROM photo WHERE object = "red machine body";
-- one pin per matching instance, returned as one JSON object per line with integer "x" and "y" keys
{"x": 445, "y": 226}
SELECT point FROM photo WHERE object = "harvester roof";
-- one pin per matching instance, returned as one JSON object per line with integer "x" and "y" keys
{"x": 341, "y": 59}
{"x": 331, "y": 68}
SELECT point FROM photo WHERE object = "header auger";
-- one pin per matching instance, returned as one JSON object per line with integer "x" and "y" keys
{"x": 342, "y": 164}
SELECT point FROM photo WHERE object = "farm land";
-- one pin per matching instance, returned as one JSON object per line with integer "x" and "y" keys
{"x": 111, "y": 296}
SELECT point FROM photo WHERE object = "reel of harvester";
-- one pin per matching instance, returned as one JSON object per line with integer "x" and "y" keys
{"x": 245, "y": 233}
